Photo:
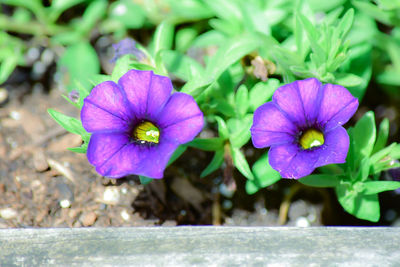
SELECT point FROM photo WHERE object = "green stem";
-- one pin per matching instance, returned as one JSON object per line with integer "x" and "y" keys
{"x": 33, "y": 27}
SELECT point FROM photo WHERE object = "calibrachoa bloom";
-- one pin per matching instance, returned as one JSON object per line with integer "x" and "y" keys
{"x": 137, "y": 124}
{"x": 302, "y": 125}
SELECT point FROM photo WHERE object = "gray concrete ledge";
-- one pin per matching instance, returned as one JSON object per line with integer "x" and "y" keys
{"x": 201, "y": 246}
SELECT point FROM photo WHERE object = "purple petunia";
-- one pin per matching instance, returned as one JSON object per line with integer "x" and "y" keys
{"x": 302, "y": 125}
{"x": 137, "y": 124}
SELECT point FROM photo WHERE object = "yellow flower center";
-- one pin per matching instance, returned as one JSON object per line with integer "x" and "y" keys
{"x": 311, "y": 138}
{"x": 146, "y": 132}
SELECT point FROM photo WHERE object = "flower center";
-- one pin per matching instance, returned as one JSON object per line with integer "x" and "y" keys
{"x": 311, "y": 138}
{"x": 146, "y": 132}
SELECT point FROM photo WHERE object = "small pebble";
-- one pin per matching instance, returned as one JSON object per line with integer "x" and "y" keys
{"x": 226, "y": 191}
{"x": 111, "y": 195}
{"x": 302, "y": 222}
{"x": 65, "y": 203}
{"x": 47, "y": 57}
{"x": 390, "y": 215}
{"x": 88, "y": 219}
{"x": 15, "y": 115}
{"x": 3, "y": 95}
{"x": 39, "y": 161}
{"x": 227, "y": 204}
{"x": 8, "y": 213}
{"x": 32, "y": 55}
{"x": 38, "y": 69}
{"x": 125, "y": 215}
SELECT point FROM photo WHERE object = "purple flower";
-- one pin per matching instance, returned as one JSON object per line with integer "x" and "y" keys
{"x": 125, "y": 47}
{"x": 137, "y": 124}
{"x": 74, "y": 96}
{"x": 302, "y": 125}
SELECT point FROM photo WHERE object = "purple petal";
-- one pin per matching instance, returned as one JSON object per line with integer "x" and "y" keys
{"x": 311, "y": 98}
{"x": 133, "y": 158}
{"x": 335, "y": 148}
{"x": 292, "y": 162}
{"x": 288, "y": 99}
{"x": 146, "y": 92}
{"x": 271, "y": 127}
{"x": 337, "y": 106}
{"x": 105, "y": 109}
{"x": 299, "y": 101}
{"x": 181, "y": 119}
{"x": 102, "y": 146}
{"x": 155, "y": 159}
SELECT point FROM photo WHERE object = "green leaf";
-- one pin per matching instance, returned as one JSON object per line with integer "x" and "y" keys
{"x": 374, "y": 187}
{"x": 240, "y": 130}
{"x": 223, "y": 131}
{"x": 145, "y": 180}
{"x": 364, "y": 169}
{"x": 373, "y": 11}
{"x": 209, "y": 144}
{"x": 22, "y": 15}
{"x": 189, "y": 10}
{"x": 230, "y": 52}
{"x": 163, "y": 37}
{"x": 383, "y": 135}
{"x": 383, "y": 159}
{"x": 182, "y": 66}
{"x": 82, "y": 149}
{"x": 226, "y": 9}
{"x": 264, "y": 175}
{"x": 364, "y": 135}
{"x": 70, "y": 124}
{"x": 395, "y": 152}
{"x": 79, "y": 63}
{"x": 364, "y": 207}
{"x": 7, "y": 67}
{"x": 320, "y": 180}
{"x": 359, "y": 62}
{"x": 227, "y": 27}
{"x": 93, "y": 13}
{"x": 348, "y": 79}
{"x": 184, "y": 38}
{"x": 223, "y": 107}
{"x": 262, "y": 92}
{"x": 163, "y": 40}
{"x": 99, "y": 78}
{"x": 345, "y": 23}
{"x": 378, "y": 156}
{"x": 240, "y": 162}
{"x": 129, "y": 14}
{"x": 242, "y": 100}
{"x": 211, "y": 37}
{"x": 215, "y": 163}
{"x": 313, "y": 36}
{"x": 67, "y": 38}
{"x": 33, "y": 5}
{"x": 122, "y": 66}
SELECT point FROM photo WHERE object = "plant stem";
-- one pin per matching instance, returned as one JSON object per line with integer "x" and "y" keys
{"x": 32, "y": 27}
